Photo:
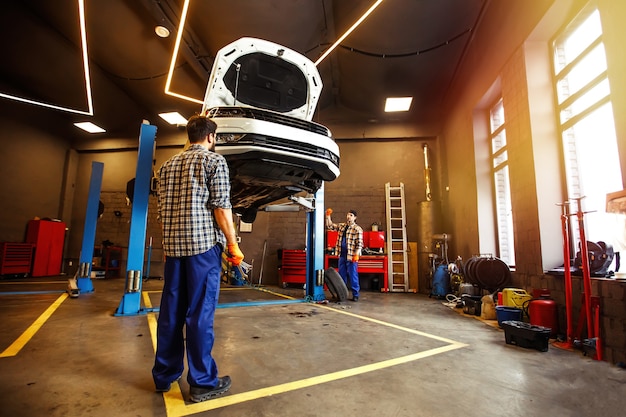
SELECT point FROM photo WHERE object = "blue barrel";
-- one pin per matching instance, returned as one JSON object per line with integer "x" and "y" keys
{"x": 441, "y": 282}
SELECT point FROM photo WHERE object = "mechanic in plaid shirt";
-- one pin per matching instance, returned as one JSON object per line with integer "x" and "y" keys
{"x": 348, "y": 247}
{"x": 197, "y": 222}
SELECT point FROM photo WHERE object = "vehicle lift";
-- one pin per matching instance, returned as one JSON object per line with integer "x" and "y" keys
{"x": 590, "y": 308}
{"x": 314, "y": 283}
{"x": 81, "y": 282}
{"x": 130, "y": 304}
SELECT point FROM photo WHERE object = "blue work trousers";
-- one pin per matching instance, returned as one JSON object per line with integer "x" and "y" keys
{"x": 350, "y": 274}
{"x": 190, "y": 295}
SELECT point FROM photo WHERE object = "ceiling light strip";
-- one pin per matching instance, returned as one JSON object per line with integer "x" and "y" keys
{"x": 348, "y": 32}
{"x": 170, "y": 73}
{"x": 83, "y": 35}
{"x": 179, "y": 36}
{"x": 83, "y": 40}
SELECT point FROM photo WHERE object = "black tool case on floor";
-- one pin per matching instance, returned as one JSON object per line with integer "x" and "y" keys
{"x": 526, "y": 335}
{"x": 472, "y": 304}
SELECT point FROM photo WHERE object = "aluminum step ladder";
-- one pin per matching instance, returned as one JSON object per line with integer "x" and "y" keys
{"x": 398, "y": 265}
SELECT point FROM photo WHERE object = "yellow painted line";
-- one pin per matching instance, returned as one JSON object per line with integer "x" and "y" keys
{"x": 28, "y": 334}
{"x": 152, "y": 322}
{"x": 176, "y": 406}
{"x": 258, "y": 289}
{"x": 394, "y": 326}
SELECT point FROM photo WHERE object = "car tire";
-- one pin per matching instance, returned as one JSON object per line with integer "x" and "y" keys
{"x": 335, "y": 284}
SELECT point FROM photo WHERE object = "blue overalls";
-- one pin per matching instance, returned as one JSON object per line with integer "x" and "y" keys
{"x": 348, "y": 269}
{"x": 194, "y": 299}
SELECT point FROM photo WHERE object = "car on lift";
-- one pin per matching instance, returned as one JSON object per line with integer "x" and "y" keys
{"x": 263, "y": 97}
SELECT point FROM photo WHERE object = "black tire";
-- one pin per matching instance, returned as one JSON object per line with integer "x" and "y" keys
{"x": 335, "y": 284}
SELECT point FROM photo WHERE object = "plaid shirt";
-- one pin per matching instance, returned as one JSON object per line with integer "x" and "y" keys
{"x": 191, "y": 184}
{"x": 354, "y": 238}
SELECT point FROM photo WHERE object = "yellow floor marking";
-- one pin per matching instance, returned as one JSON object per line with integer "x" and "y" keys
{"x": 258, "y": 289}
{"x": 28, "y": 334}
{"x": 152, "y": 322}
{"x": 176, "y": 406}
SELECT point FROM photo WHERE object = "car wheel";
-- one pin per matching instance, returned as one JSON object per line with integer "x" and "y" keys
{"x": 249, "y": 215}
{"x": 335, "y": 284}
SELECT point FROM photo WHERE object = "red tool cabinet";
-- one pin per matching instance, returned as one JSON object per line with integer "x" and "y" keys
{"x": 293, "y": 267}
{"x": 15, "y": 258}
{"x": 48, "y": 237}
{"x": 368, "y": 264}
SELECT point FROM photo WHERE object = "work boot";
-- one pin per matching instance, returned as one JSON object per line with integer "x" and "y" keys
{"x": 199, "y": 394}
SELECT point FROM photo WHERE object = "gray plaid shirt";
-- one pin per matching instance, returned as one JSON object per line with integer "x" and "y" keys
{"x": 191, "y": 184}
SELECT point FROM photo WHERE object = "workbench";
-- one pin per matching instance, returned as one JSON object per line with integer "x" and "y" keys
{"x": 368, "y": 264}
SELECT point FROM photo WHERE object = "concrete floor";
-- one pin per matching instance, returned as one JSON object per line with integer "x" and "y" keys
{"x": 387, "y": 355}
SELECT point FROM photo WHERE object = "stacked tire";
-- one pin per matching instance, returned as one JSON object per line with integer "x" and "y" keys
{"x": 488, "y": 273}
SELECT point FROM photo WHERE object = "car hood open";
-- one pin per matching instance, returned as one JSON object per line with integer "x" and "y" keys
{"x": 257, "y": 73}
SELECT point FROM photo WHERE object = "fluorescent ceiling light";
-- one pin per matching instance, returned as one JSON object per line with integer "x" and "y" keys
{"x": 89, "y": 127}
{"x": 398, "y": 104}
{"x": 83, "y": 38}
{"x": 173, "y": 118}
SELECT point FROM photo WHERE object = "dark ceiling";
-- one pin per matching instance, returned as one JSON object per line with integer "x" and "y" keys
{"x": 405, "y": 48}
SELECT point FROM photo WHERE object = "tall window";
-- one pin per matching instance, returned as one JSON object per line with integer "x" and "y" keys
{"x": 586, "y": 120}
{"x": 501, "y": 184}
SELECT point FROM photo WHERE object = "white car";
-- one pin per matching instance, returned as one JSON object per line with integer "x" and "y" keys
{"x": 262, "y": 97}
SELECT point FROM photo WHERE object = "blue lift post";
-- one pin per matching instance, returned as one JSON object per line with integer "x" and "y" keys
{"x": 315, "y": 249}
{"x": 83, "y": 281}
{"x": 314, "y": 256}
{"x": 131, "y": 300}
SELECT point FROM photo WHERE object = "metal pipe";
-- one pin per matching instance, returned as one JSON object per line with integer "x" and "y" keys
{"x": 429, "y": 196}
{"x": 584, "y": 254}
{"x": 567, "y": 275}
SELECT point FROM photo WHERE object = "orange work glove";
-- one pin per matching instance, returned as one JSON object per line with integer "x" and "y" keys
{"x": 329, "y": 211}
{"x": 233, "y": 254}
{"x": 355, "y": 258}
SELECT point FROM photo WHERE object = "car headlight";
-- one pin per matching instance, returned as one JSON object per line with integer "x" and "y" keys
{"x": 228, "y": 137}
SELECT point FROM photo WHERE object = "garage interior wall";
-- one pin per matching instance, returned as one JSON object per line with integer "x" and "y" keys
{"x": 35, "y": 181}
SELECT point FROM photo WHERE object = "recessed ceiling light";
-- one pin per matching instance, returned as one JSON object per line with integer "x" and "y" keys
{"x": 398, "y": 104}
{"x": 173, "y": 118}
{"x": 89, "y": 127}
{"x": 162, "y": 31}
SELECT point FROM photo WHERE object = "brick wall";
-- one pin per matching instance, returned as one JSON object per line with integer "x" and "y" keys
{"x": 612, "y": 295}
{"x": 114, "y": 227}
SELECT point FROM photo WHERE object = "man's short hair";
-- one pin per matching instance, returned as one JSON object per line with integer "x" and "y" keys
{"x": 198, "y": 127}
{"x": 353, "y": 212}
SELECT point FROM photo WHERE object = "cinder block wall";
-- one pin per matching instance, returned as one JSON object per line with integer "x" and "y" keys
{"x": 612, "y": 312}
